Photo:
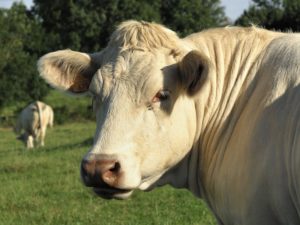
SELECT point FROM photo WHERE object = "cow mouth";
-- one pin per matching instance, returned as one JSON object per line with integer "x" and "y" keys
{"x": 111, "y": 192}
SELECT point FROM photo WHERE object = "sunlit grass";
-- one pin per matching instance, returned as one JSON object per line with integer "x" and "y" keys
{"x": 42, "y": 186}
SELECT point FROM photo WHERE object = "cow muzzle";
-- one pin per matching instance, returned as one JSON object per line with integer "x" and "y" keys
{"x": 104, "y": 176}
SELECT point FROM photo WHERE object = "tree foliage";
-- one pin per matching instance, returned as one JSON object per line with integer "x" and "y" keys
{"x": 19, "y": 47}
{"x": 290, "y": 18}
{"x": 81, "y": 25}
{"x": 273, "y": 14}
{"x": 186, "y": 16}
{"x": 264, "y": 13}
{"x": 87, "y": 25}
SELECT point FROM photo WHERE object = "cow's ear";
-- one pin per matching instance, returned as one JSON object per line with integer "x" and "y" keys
{"x": 194, "y": 69}
{"x": 67, "y": 70}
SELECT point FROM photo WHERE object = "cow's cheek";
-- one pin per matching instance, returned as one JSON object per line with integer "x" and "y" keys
{"x": 183, "y": 127}
{"x": 178, "y": 139}
{"x": 161, "y": 143}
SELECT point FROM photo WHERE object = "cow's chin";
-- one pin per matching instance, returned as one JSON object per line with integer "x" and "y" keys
{"x": 109, "y": 192}
{"x": 113, "y": 193}
{"x": 149, "y": 183}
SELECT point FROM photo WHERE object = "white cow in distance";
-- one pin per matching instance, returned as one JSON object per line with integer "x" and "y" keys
{"x": 217, "y": 112}
{"x": 33, "y": 121}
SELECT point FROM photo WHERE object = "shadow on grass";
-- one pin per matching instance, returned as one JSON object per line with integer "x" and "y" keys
{"x": 70, "y": 146}
{"x": 86, "y": 143}
{"x": 65, "y": 147}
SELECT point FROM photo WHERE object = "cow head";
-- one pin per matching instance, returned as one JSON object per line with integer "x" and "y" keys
{"x": 142, "y": 85}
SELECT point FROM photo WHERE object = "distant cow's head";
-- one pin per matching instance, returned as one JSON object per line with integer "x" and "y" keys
{"x": 142, "y": 86}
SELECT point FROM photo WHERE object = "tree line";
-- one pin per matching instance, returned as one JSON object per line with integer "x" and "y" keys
{"x": 83, "y": 25}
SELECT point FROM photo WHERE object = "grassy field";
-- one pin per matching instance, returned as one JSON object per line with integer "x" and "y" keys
{"x": 43, "y": 186}
{"x": 66, "y": 108}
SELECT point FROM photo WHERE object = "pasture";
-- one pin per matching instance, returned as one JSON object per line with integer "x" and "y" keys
{"x": 43, "y": 186}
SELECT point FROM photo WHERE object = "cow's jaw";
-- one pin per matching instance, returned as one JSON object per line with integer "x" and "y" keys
{"x": 148, "y": 183}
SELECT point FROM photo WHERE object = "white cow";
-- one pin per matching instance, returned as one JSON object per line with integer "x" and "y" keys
{"x": 33, "y": 120}
{"x": 217, "y": 112}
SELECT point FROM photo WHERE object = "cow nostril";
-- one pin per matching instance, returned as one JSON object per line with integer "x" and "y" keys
{"x": 115, "y": 168}
{"x": 98, "y": 172}
{"x": 111, "y": 175}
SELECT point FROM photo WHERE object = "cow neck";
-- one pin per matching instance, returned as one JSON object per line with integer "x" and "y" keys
{"x": 232, "y": 82}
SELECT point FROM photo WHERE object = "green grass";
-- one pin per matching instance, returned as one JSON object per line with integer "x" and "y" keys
{"x": 42, "y": 186}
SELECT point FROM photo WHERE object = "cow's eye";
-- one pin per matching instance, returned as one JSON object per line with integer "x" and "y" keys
{"x": 161, "y": 96}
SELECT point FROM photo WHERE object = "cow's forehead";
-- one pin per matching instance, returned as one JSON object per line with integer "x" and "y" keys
{"x": 140, "y": 71}
{"x": 134, "y": 65}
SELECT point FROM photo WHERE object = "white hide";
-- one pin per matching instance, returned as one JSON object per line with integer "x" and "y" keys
{"x": 228, "y": 130}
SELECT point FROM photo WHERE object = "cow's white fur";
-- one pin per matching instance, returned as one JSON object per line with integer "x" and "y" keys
{"x": 33, "y": 120}
{"x": 229, "y": 131}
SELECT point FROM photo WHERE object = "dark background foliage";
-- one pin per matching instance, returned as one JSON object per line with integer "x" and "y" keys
{"x": 82, "y": 25}
{"x": 281, "y": 15}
